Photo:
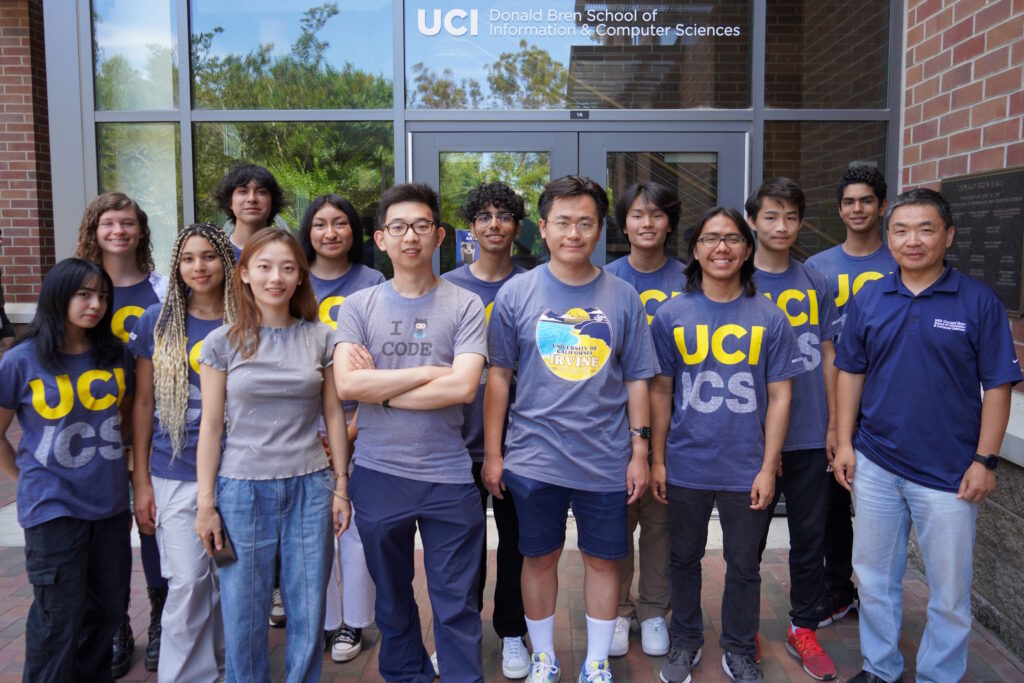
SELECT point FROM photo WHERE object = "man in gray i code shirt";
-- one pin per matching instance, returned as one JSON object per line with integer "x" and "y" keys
{"x": 411, "y": 351}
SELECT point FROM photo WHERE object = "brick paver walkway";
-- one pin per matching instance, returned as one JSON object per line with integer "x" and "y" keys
{"x": 988, "y": 661}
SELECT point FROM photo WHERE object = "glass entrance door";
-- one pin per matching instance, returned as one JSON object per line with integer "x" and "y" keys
{"x": 705, "y": 169}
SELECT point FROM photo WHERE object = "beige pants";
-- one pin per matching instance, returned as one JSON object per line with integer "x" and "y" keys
{"x": 653, "y": 594}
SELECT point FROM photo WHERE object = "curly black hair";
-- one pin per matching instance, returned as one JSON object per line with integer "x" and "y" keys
{"x": 240, "y": 176}
{"x": 867, "y": 175}
{"x": 500, "y": 195}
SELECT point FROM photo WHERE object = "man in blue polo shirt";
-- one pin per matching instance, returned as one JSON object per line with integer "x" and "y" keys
{"x": 915, "y": 349}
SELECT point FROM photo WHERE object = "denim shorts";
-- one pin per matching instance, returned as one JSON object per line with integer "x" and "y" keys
{"x": 543, "y": 508}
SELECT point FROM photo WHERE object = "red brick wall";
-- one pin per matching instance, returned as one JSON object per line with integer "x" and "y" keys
{"x": 964, "y": 91}
{"x": 26, "y": 208}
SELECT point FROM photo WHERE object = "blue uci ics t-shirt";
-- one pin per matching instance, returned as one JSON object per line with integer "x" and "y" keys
{"x": 574, "y": 348}
{"x": 473, "y": 413}
{"x": 847, "y": 274}
{"x": 654, "y": 288}
{"x": 70, "y": 458}
{"x": 129, "y": 305}
{"x": 162, "y": 461}
{"x": 721, "y": 358}
{"x": 923, "y": 359}
{"x": 331, "y": 293}
{"x": 804, "y": 297}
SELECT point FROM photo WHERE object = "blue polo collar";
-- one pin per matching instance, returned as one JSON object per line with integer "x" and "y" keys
{"x": 949, "y": 281}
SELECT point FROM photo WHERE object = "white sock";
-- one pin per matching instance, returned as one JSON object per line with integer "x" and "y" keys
{"x": 542, "y": 635}
{"x": 599, "y": 639}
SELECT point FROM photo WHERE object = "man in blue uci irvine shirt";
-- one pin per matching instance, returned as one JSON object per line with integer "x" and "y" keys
{"x": 915, "y": 349}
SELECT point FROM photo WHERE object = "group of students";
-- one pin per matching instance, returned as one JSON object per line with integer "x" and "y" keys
{"x": 278, "y": 393}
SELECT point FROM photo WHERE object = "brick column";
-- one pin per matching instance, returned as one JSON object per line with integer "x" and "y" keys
{"x": 26, "y": 207}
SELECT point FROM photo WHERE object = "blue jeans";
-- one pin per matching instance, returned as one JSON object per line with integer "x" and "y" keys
{"x": 886, "y": 506}
{"x": 263, "y": 517}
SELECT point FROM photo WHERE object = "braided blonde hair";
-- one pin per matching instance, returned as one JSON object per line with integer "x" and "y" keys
{"x": 170, "y": 355}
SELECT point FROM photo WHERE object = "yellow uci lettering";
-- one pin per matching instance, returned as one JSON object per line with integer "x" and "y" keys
{"x": 193, "y": 355}
{"x": 122, "y": 315}
{"x": 844, "y": 290}
{"x": 718, "y": 344}
{"x": 651, "y": 295}
{"x": 325, "y": 310}
{"x": 66, "y": 398}
{"x": 784, "y": 299}
{"x": 702, "y": 344}
{"x": 487, "y": 313}
{"x": 756, "y": 337}
{"x": 864, "y": 278}
{"x": 91, "y": 402}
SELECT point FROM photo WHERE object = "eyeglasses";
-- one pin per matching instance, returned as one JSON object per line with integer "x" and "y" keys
{"x": 585, "y": 227}
{"x": 731, "y": 240}
{"x": 484, "y": 219}
{"x": 399, "y": 228}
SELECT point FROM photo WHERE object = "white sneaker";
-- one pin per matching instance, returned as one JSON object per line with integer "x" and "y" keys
{"x": 514, "y": 661}
{"x": 620, "y": 639}
{"x": 433, "y": 662}
{"x": 654, "y": 636}
{"x": 277, "y": 616}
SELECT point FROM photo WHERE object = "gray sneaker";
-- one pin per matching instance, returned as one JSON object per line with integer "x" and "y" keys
{"x": 741, "y": 668}
{"x": 679, "y": 663}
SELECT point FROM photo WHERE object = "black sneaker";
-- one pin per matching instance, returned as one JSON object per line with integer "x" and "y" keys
{"x": 124, "y": 646}
{"x": 741, "y": 668}
{"x": 347, "y": 643}
{"x": 679, "y": 661}
{"x": 868, "y": 677}
{"x": 842, "y": 605}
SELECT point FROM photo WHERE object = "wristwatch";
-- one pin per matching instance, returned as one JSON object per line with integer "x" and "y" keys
{"x": 989, "y": 461}
{"x": 642, "y": 432}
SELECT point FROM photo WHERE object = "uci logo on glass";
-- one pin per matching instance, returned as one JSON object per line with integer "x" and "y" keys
{"x": 453, "y": 21}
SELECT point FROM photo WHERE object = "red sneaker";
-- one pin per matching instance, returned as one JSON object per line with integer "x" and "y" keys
{"x": 804, "y": 646}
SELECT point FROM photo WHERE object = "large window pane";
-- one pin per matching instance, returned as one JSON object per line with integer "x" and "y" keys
{"x": 815, "y": 155}
{"x": 573, "y": 54}
{"x": 525, "y": 172}
{"x": 142, "y": 160}
{"x": 832, "y": 54}
{"x": 135, "y": 54}
{"x": 304, "y": 54}
{"x": 353, "y": 159}
{"x": 693, "y": 176}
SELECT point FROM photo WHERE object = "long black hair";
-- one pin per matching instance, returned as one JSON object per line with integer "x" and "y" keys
{"x": 694, "y": 274}
{"x": 47, "y": 329}
{"x": 355, "y": 252}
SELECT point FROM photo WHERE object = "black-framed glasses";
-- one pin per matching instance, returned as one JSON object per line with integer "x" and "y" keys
{"x": 399, "y": 228}
{"x": 484, "y": 219}
{"x": 731, "y": 240}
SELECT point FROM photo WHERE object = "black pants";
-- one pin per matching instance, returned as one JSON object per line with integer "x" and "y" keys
{"x": 839, "y": 545}
{"x": 509, "y": 618}
{"x": 804, "y": 480}
{"x": 688, "y": 513}
{"x": 80, "y": 573}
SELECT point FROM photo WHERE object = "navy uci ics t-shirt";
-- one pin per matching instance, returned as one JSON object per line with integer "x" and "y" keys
{"x": 803, "y": 296}
{"x": 473, "y": 413}
{"x": 654, "y": 288}
{"x": 847, "y": 274}
{"x": 162, "y": 461}
{"x": 70, "y": 459}
{"x": 721, "y": 357}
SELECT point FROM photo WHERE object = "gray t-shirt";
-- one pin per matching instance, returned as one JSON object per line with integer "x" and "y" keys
{"x": 425, "y": 445}
{"x": 272, "y": 400}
